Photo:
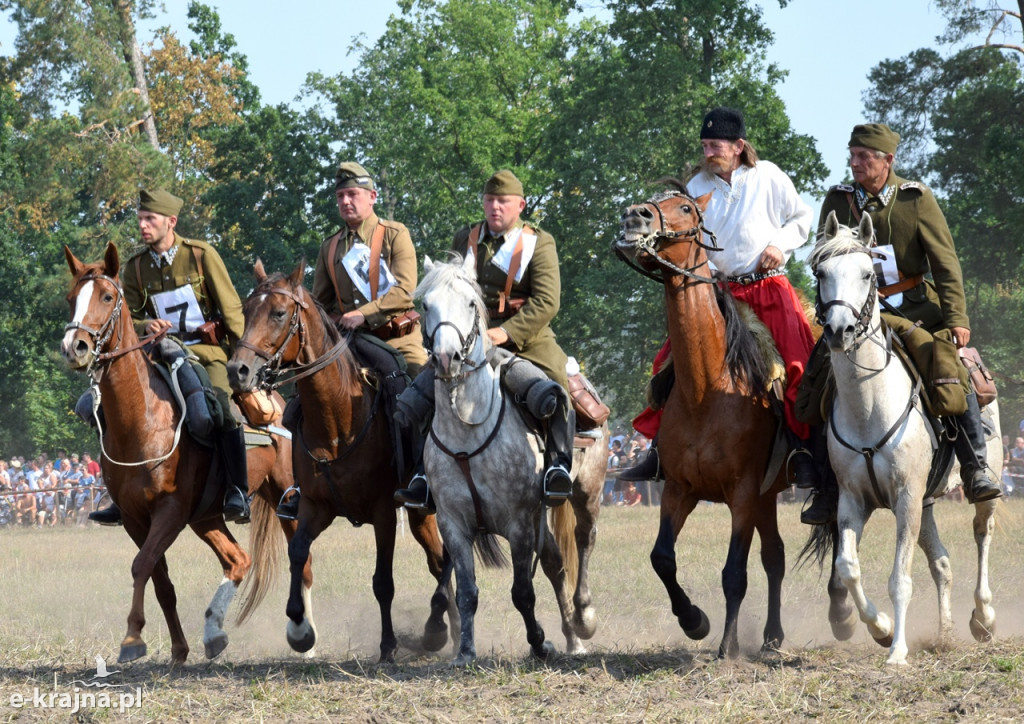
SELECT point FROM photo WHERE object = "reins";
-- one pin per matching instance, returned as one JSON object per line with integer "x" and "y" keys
{"x": 100, "y": 338}
{"x": 651, "y": 243}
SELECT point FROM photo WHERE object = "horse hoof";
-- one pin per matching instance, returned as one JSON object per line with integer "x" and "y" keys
{"x": 216, "y": 645}
{"x": 463, "y": 660}
{"x": 546, "y": 649}
{"x": 131, "y": 652}
{"x": 843, "y": 630}
{"x": 885, "y": 641}
{"x": 434, "y": 639}
{"x": 980, "y": 631}
{"x": 701, "y": 630}
{"x": 300, "y": 637}
{"x": 585, "y": 624}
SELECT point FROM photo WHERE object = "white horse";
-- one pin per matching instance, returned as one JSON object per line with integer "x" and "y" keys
{"x": 880, "y": 444}
{"x": 484, "y": 465}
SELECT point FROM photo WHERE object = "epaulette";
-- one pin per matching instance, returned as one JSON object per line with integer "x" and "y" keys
{"x": 845, "y": 188}
{"x": 391, "y": 224}
{"x": 912, "y": 186}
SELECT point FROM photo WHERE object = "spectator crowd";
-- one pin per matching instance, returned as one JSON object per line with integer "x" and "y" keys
{"x": 42, "y": 492}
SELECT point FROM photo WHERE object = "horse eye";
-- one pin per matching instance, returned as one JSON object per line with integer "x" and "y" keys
{"x": 278, "y": 314}
{"x": 868, "y": 275}
{"x": 686, "y": 208}
{"x": 108, "y": 298}
{"x": 426, "y": 308}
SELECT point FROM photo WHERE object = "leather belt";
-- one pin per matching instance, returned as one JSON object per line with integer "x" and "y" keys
{"x": 901, "y": 286}
{"x": 751, "y": 278}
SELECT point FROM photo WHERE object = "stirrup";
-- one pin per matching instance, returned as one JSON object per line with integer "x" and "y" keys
{"x": 236, "y": 513}
{"x": 557, "y": 486}
{"x": 989, "y": 489}
{"x": 413, "y": 498}
{"x": 289, "y": 509}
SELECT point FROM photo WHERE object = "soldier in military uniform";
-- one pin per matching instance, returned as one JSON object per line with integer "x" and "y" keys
{"x": 907, "y": 217}
{"x": 508, "y": 250}
{"x": 377, "y": 312}
{"x": 178, "y": 285}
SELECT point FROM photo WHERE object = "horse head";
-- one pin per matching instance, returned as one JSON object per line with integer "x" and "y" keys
{"x": 665, "y": 235}
{"x": 454, "y": 317}
{"x": 842, "y": 262}
{"x": 275, "y": 333}
{"x": 96, "y": 301}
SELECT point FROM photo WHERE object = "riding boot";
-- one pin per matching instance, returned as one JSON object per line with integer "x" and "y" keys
{"x": 824, "y": 498}
{"x": 801, "y": 461}
{"x": 647, "y": 469}
{"x": 415, "y": 413}
{"x": 288, "y": 506}
{"x": 560, "y": 428}
{"x": 107, "y": 516}
{"x": 231, "y": 446}
{"x": 971, "y": 452}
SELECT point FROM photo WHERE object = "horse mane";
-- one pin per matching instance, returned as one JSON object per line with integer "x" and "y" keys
{"x": 448, "y": 274}
{"x": 842, "y": 243}
{"x": 743, "y": 357}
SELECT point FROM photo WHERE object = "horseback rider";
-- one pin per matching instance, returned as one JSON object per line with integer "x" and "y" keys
{"x": 517, "y": 269}
{"x": 759, "y": 220}
{"x": 377, "y": 312}
{"x": 181, "y": 286}
{"x": 907, "y": 219}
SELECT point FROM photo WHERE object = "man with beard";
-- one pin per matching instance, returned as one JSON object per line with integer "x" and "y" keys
{"x": 759, "y": 220}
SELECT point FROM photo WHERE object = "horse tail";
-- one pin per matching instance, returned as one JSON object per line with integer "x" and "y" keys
{"x": 489, "y": 551}
{"x": 564, "y": 524}
{"x": 265, "y": 544}
{"x": 820, "y": 544}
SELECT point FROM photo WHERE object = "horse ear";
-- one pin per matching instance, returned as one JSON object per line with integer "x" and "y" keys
{"x": 469, "y": 264}
{"x": 866, "y": 231}
{"x": 258, "y": 271}
{"x": 831, "y": 225}
{"x": 73, "y": 264}
{"x": 299, "y": 274}
{"x": 702, "y": 201}
{"x": 111, "y": 261}
{"x": 428, "y": 265}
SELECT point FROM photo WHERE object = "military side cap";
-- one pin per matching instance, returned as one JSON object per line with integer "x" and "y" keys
{"x": 875, "y": 135}
{"x": 504, "y": 183}
{"x": 725, "y": 123}
{"x": 351, "y": 175}
{"x": 159, "y": 202}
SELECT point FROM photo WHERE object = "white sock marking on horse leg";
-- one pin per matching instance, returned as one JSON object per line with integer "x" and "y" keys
{"x": 218, "y": 609}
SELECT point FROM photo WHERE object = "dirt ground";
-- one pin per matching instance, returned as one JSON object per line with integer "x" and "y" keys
{"x": 65, "y": 594}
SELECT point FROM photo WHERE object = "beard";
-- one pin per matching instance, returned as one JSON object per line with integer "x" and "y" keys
{"x": 716, "y": 164}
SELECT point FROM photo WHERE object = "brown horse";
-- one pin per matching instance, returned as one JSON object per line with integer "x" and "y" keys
{"x": 343, "y": 456}
{"x": 717, "y": 432}
{"x": 156, "y": 472}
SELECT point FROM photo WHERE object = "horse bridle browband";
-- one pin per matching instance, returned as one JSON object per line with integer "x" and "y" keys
{"x": 651, "y": 243}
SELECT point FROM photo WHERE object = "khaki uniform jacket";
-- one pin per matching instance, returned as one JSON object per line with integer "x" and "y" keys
{"x": 913, "y": 223}
{"x": 398, "y": 252}
{"x": 541, "y": 286}
{"x": 214, "y": 290}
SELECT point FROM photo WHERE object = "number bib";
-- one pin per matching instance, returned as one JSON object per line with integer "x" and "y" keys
{"x": 886, "y": 271}
{"x": 181, "y": 308}
{"x": 357, "y": 266}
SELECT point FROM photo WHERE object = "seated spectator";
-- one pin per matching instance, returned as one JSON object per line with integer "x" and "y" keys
{"x": 25, "y": 505}
{"x": 630, "y": 495}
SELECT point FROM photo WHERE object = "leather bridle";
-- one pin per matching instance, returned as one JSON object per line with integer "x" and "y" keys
{"x": 653, "y": 243}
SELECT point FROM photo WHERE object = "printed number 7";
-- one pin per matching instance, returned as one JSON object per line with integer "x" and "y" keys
{"x": 181, "y": 309}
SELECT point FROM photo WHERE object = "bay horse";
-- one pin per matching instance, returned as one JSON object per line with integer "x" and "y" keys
{"x": 343, "y": 453}
{"x": 155, "y": 472}
{"x": 485, "y": 466}
{"x": 880, "y": 444}
{"x": 717, "y": 432}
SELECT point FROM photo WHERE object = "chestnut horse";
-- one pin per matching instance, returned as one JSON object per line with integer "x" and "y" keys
{"x": 343, "y": 454}
{"x": 156, "y": 472}
{"x": 717, "y": 431}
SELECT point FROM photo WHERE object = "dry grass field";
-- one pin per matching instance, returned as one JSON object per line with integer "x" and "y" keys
{"x": 65, "y": 594}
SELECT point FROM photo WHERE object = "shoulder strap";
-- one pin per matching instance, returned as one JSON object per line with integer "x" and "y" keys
{"x": 474, "y": 236}
{"x": 853, "y": 205}
{"x": 197, "y": 254}
{"x": 375, "y": 247}
{"x": 138, "y": 273}
{"x": 331, "y": 251}
{"x": 513, "y": 267}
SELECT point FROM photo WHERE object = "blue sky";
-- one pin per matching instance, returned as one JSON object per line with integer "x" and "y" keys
{"x": 827, "y": 46}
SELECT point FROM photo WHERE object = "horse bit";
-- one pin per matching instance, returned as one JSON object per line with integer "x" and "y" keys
{"x": 651, "y": 243}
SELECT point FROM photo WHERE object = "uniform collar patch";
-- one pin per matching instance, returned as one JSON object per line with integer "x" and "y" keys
{"x": 168, "y": 255}
{"x": 880, "y": 202}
